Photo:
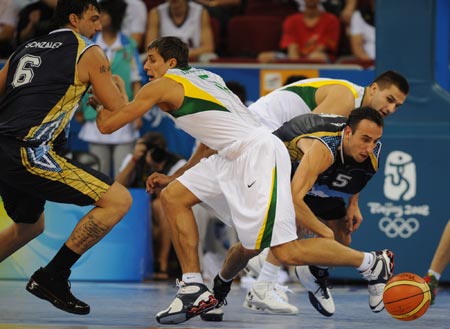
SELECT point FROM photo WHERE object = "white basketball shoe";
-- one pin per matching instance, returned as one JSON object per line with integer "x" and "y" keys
{"x": 378, "y": 274}
{"x": 264, "y": 297}
{"x": 315, "y": 280}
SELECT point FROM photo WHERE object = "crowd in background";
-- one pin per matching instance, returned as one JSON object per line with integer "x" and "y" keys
{"x": 319, "y": 30}
{"x": 325, "y": 31}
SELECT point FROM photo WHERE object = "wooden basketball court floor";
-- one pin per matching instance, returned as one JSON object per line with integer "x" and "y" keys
{"x": 134, "y": 305}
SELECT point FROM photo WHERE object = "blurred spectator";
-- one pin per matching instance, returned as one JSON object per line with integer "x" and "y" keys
{"x": 218, "y": 3}
{"x": 135, "y": 22}
{"x": 280, "y": 8}
{"x": 35, "y": 20}
{"x": 151, "y": 155}
{"x": 8, "y": 24}
{"x": 186, "y": 20}
{"x": 362, "y": 31}
{"x": 222, "y": 10}
{"x": 122, "y": 53}
{"x": 311, "y": 35}
{"x": 341, "y": 8}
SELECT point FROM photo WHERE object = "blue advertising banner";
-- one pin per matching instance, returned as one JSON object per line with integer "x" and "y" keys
{"x": 405, "y": 206}
{"x": 123, "y": 255}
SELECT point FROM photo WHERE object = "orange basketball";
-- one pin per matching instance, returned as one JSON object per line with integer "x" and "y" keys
{"x": 406, "y": 296}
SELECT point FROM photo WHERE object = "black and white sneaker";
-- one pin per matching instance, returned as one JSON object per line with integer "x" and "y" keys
{"x": 192, "y": 299}
{"x": 55, "y": 288}
{"x": 315, "y": 280}
{"x": 220, "y": 291}
{"x": 378, "y": 274}
{"x": 214, "y": 315}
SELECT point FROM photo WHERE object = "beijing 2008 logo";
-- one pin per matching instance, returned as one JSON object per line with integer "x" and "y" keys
{"x": 399, "y": 219}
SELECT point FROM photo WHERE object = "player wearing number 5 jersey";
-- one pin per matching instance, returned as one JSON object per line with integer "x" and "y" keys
{"x": 40, "y": 87}
{"x": 346, "y": 175}
{"x": 386, "y": 93}
{"x": 335, "y": 158}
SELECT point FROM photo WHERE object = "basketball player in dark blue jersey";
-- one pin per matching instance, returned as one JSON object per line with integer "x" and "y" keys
{"x": 337, "y": 157}
{"x": 40, "y": 87}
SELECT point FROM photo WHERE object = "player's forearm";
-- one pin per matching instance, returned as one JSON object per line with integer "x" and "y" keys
{"x": 354, "y": 199}
{"x": 305, "y": 218}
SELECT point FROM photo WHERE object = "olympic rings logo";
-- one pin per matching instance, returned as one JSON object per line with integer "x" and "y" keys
{"x": 398, "y": 227}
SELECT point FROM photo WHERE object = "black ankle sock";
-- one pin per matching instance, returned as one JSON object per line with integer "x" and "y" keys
{"x": 63, "y": 260}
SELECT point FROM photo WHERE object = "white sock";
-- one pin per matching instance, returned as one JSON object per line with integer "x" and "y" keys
{"x": 436, "y": 274}
{"x": 269, "y": 273}
{"x": 366, "y": 263}
{"x": 192, "y": 278}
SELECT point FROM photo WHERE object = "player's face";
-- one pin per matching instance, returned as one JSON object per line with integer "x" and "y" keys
{"x": 359, "y": 144}
{"x": 155, "y": 66}
{"x": 89, "y": 23}
{"x": 387, "y": 100}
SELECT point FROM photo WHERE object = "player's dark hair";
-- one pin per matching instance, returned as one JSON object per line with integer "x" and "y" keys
{"x": 116, "y": 10}
{"x": 66, "y": 7}
{"x": 294, "y": 78}
{"x": 238, "y": 89}
{"x": 172, "y": 47}
{"x": 388, "y": 78}
{"x": 361, "y": 113}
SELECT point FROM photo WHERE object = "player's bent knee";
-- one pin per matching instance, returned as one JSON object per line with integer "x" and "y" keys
{"x": 124, "y": 201}
{"x": 165, "y": 198}
{"x": 118, "y": 198}
{"x": 176, "y": 195}
{"x": 39, "y": 226}
{"x": 285, "y": 255}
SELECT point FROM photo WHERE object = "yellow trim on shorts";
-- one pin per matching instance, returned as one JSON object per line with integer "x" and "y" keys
{"x": 73, "y": 176}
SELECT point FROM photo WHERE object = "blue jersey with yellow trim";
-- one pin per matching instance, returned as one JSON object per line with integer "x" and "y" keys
{"x": 345, "y": 176}
{"x": 43, "y": 89}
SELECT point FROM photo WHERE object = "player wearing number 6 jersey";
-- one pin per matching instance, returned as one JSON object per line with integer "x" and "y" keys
{"x": 40, "y": 87}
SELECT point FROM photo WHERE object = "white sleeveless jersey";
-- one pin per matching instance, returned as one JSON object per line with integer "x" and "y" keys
{"x": 297, "y": 98}
{"x": 211, "y": 113}
{"x": 189, "y": 31}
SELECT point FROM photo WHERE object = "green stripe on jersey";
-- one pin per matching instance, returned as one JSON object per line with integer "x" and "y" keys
{"x": 305, "y": 93}
{"x": 196, "y": 105}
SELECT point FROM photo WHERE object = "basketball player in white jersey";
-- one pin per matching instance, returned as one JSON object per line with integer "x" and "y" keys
{"x": 385, "y": 94}
{"x": 246, "y": 180}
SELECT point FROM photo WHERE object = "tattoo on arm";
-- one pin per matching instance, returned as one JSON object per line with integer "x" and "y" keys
{"x": 104, "y": 69}
{"x": 89, "y": 233}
